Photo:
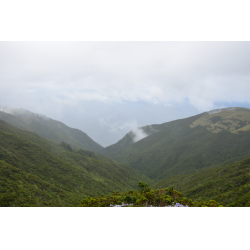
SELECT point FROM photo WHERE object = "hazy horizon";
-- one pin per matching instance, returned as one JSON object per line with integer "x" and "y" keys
{"x": 107, "y": 89}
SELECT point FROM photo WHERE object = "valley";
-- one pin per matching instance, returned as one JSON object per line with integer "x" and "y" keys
{"x": 43, "y": 162}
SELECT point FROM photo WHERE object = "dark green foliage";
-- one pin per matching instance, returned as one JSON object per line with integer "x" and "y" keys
{"x": 170, "y": 190}
{"x": 66, "y": 146}
{"x": 39, "y": 172}
{"x": 129, "y": 198}
{"x": 228, "y": 185}
{"x": 86, "y": 153}
{"x": 211, "y": 203}
{"x": 145, "y": 197}
{"x": 73, "y": 173}
{"x": 215, "y": 119}
{"x": 18, "y": 188}
{"x": 144, "y": 187}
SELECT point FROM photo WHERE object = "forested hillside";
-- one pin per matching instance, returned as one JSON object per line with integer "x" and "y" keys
{"x": 198, "y": 156}
{"x": 19, "y": 188}
{"x": 49, "y": 128}
{"x": 228, "y": 185}
{"x": 55, "y": 171}
{"x": 208, "y": 140}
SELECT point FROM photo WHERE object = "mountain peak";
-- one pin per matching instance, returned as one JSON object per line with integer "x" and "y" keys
{"x": 235, "y": 120}
{"x": 22, "y": 112}
{"x": 48, "y": 128}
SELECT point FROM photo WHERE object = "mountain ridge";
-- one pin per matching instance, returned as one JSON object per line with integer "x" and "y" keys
{"x": 182, "y": 148}
{"x": 49, "y": 128}
{"x": 72, "y": 173}
{"x": 36, "y": 171}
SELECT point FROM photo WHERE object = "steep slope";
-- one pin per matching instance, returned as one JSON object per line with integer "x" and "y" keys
{"x": 130, "y": 138}
{"x": 228, "y": 185}
{"x": 48, "y": 128}
{"x": 18, "y": 188}
{"x": 71, "y": 172}
{"x": 207, "y": 140}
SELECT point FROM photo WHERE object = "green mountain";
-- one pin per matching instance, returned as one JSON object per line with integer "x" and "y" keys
{"x": 229, "y": 185}
{"x": 48, "y": 128}
{"x": 130, "y": 138}
{"x": 184, "y": 146}
{"x": 38, "y": 172}
{"x": 45, "y": 163}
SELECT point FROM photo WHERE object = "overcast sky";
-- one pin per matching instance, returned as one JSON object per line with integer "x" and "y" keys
{"x": 108, "y": 88}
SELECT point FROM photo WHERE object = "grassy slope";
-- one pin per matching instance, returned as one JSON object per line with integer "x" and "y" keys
{"x": 229, "y": 185}
{"x": 236, "y": 121}
{"x": 51, "y": 129}
{"x": 181, "y": 149}
{"x": 69, "y": 171}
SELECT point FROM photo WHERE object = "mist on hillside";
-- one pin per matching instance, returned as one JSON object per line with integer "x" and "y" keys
{"x": 139, "y": 134}
{"x": 21, "y": 112}
{"x": 220, "y": 110}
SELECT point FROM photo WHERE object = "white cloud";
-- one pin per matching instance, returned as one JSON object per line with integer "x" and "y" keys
{"x": 16, "y": 111}
{"x": 139, "y": 134}
{"x": 215, "y": 111}
{"x": 50, "y": 78}
{"x": 156, "y": 72}
{"x": 130, "y": 125}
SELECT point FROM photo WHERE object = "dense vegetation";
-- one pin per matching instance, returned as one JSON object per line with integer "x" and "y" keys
{"x": 72, "y": 173}
{"x": 196, "y": 155}
{"x": 19, "y": 188}
{"x": 181, "y": 148}
{"x": 228, "y": 185}
{"x": 144, "y": 197}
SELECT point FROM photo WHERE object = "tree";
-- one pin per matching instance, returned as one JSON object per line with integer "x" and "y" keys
{"x": 144, "y": 187}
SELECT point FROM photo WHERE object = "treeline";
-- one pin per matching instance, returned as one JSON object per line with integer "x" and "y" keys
{"x": 145, "y": 197}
